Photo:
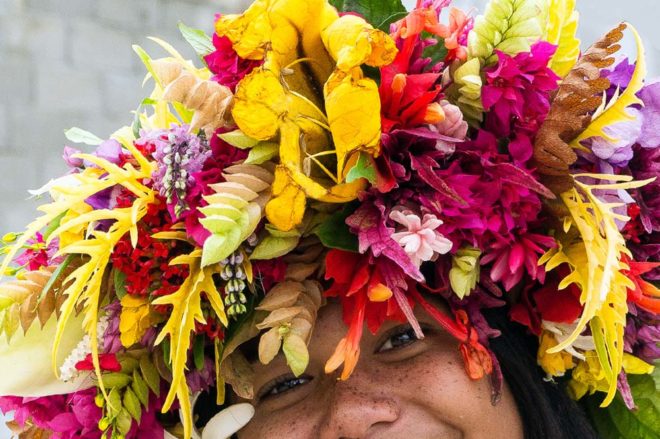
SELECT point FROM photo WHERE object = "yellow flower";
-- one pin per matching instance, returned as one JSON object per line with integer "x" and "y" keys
{"x": 554, "y": 364}
{"x": 135, "y": 318}
{"x": 309, "y": 93}
{"x": 464, "y": 271}
{"x": 589, "y": 376}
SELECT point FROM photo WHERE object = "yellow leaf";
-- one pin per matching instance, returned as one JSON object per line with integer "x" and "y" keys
{"x": 186, "y": 305}
{"x": 353, "y": 108}
{"x": 287, "y": 207}
{"x": 616, "y": 111}
{"x": 260, "y": 104}
{"x": 135, "y": 318}
{"x": 561, "y": 30}
{"x": 352, "y": 42}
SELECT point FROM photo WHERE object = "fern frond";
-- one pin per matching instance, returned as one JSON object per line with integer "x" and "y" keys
{"x": 616, "y": 112}
{"x": 506, "y": 25}
{"x": 186, "y": 310}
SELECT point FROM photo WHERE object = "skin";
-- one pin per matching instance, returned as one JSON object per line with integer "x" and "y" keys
{"x": 401, "y": 388}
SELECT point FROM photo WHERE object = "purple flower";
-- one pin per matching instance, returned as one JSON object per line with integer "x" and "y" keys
{"x": 72, "y": 162}
{"x": 650, "y": 135}
{"x": 626, "y": 133}
{"x": 642, "y": 334}
{"x": 180, "y": 155}
{"x": 619, "y": 77}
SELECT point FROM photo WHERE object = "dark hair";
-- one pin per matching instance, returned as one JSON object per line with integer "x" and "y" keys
{"x": 546, "y": 410}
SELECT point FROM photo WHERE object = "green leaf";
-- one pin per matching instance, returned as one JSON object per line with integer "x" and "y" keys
{"x": 150, "y": 374}
{"x": 132, "y": 404}
{"x": 56, "y": 275}
{"x": 363, "y": 169}
{"x": 113, "y": 404}
{"x": 116, "y": 380}
{"x": 334, "y": 233}
{"x": 53, "y": 225}
{"x": 200, "y": 42}
{"x": 295, "y": 351}
{"x": 198, "y": 352}
{"x": 617, "y": 422}
{"x": 119, "y": 282}
{"x": 380, "y": 13}
{"x": 273, "y": 247}
{"x": 238, "y": 139}
{"x": 123, "y": 422}
{"x": 140, "y": 388}
{"x": 262, "y": 152}
{"x": 274, "y": 231}
{"x": 78, "y": 135}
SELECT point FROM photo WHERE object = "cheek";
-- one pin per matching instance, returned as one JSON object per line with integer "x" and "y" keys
{"x": 435, "y": 385}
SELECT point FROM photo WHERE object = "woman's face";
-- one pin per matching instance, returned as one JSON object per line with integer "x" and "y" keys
{"x": 401, "y": 388}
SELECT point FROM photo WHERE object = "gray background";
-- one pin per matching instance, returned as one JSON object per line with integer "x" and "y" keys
{"x": 67, "y": 63}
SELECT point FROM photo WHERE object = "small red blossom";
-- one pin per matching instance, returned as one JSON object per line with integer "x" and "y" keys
{"x": 108, "y": 363}
{"x": 644, "y": 294}
{"x": 227, "y": 67}
{"x": 364, "y": 295}
{"x": 146, "y": 266}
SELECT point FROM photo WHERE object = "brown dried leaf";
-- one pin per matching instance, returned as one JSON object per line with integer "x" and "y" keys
{"x": 282, "y": 295}
{"x": 302, "y": 328}
{"x": 301, "y": 271}
{"x": 238, "y": 373}
{"x": 315, "y": 292}
{"x": 578, "y": 96}
{"x": 209, "y": 100}
{"x": 269, "y": 345}
{"x": 280, "y": 316}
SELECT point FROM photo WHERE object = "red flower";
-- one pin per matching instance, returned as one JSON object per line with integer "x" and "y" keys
{"x": 108, "y": 363}
{"x": 645, "y": 294}
{"x": 364, "y": 294}
{"x": 548, "y": 303}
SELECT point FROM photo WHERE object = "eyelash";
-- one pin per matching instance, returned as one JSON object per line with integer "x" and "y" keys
{"x": 286, "y": 383}
{"x": 399, "y": 332}
{"x": 283, "y": 384}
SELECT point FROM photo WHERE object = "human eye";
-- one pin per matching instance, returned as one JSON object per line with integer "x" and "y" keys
{"x": 399, "y": 337}
{"x": 283, "y": 384}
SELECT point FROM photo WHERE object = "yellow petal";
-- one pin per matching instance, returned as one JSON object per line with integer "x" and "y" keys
{"x": 352, "y": 42}
{"x": 353, "y": 108}
{"x": 260, "y": 104}
{"x": 287, "y": 207}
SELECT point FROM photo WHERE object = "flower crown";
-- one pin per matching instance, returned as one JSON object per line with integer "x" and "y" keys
{"x": 372, "y": 155}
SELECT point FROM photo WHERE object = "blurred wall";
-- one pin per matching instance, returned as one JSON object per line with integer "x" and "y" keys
{"x": 67, "y": 63}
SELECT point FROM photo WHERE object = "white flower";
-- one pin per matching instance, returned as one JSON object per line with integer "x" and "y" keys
{"x": 420, "y": 239}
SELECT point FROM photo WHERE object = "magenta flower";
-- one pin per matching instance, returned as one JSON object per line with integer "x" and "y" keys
{"x": 419, "y": 237}
{"x": 228, "y": 68}
{"x": 512, "y": 259}
{"x": 517, "y": 91}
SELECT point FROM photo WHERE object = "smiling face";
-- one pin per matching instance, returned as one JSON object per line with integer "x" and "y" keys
{"x": 402, "y": 388}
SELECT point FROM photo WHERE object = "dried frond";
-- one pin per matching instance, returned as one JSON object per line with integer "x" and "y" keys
{"x": 578, "y": 96}
{"x": 235, "y": 210}
{"x": 293, "y": 306}
{"x": 209, "y": 100}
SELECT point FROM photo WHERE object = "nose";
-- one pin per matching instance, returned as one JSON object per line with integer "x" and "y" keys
{"x": 354, "y": 408}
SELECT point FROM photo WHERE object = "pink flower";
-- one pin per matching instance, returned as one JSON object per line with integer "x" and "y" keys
{"x": 420, "y": 239}
{"x": 517, "y": 92}
{"x": 514, "y": 258}
{"x": 227, "y": 66}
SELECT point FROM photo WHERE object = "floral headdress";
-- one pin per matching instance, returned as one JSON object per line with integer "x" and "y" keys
{"x": 371, "y": 155}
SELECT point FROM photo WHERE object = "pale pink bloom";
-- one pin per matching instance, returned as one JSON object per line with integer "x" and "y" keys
{"x": 453, "y": 126}
{"x": 420, "y": 239}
